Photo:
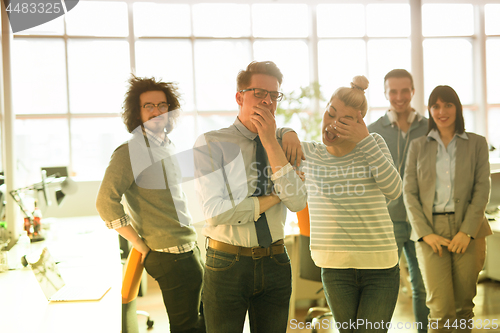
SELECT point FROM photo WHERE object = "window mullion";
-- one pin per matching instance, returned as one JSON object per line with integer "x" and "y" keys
{"x": 313, "y": 51}
{"x": 196, "y": 114}
{"x": 479, "y": 66}
{"x": 131, "y": 37}
{"x": 417, "y": 55}
{"x": 68, "y": 113}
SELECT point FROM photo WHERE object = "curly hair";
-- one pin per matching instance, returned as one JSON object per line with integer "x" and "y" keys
{"x": 131, "y": 114}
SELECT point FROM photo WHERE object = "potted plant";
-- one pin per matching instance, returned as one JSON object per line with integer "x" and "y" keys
{"x": 301, "y": 104}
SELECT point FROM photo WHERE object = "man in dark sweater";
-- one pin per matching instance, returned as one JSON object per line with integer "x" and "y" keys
{"x": 398, "y": 127}
{"x": 155, "y": 218}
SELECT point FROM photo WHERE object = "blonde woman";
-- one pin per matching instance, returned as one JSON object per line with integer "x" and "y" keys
{"x": 349, "y": 176}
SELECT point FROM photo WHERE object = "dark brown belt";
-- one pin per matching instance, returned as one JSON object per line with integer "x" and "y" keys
{"x": 443, "y": 213}
{"x": 277, "y": 247}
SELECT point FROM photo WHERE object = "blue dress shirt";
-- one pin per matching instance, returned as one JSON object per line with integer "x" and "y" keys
{"x": 445, "y": 172}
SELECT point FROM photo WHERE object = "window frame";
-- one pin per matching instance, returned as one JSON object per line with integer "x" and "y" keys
{"x": 480, "y": 105}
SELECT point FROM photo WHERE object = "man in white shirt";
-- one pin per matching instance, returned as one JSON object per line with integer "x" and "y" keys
{"x": 245, "y": 184}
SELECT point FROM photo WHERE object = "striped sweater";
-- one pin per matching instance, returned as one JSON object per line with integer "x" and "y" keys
{"x": 350, "y": 223}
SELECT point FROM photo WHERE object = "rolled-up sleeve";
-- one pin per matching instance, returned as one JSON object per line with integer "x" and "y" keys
{"x": 117, "y": 180}
{"x": 290, "y": 188}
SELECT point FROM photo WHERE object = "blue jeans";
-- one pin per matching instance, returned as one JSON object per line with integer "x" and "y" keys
{"x": 402, "y": 231}
{"x": 179, "y": 277}
{"x": 361, "y": 300}
{"x": 234, "y": 284}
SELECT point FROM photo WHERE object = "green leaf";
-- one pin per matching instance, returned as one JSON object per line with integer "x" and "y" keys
{"x": 302, "y": 104}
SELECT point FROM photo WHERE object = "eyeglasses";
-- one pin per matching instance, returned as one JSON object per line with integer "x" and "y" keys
{"x": 162, "y": 107}
{"x": 262, "y": 93}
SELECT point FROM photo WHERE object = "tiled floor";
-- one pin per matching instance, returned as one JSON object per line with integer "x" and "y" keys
{"x": 487, "y": 308}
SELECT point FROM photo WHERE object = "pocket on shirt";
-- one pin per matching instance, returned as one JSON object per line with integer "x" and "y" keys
{"x": 219, "y": 261}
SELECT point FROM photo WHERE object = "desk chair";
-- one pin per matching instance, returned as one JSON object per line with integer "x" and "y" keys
{"x": 131, "y": 285}
{"x": 308, "y": 269}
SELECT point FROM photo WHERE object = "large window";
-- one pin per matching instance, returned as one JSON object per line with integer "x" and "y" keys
{"x": 357, "y": 39}
{"x": 448, "y": 52}
{"x": 70, "y": 75}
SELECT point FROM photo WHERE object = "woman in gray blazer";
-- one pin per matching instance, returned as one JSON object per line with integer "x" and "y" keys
{"x": 446, "y": 189}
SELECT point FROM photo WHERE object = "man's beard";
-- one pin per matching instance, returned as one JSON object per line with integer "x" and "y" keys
{"x": 171, "y": 120}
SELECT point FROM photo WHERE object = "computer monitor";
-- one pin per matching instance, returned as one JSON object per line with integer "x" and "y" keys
{"x": 494, "y": 203}
{"x": 58, "y": 171}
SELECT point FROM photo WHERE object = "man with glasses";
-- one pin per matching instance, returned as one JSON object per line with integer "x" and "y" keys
{"x": 398, "y": 127}
{"x": 156, "y": 221}
{"x": 245, "y": 184}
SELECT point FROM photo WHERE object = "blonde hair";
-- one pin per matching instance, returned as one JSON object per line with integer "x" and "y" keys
{"x": 355, "y": 95}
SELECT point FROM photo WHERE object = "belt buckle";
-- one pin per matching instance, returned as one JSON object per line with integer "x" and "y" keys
{"x": 257, "y": 252}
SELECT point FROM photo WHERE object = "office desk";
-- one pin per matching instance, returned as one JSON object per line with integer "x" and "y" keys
{"x": 492, "y": 262}
{"x": 85, "y": 250}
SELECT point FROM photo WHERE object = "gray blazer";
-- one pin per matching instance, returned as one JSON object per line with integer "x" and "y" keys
{"x": 472, "y": 185}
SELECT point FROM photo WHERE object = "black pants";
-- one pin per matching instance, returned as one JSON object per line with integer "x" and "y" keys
{"x": 180, "y": 278}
